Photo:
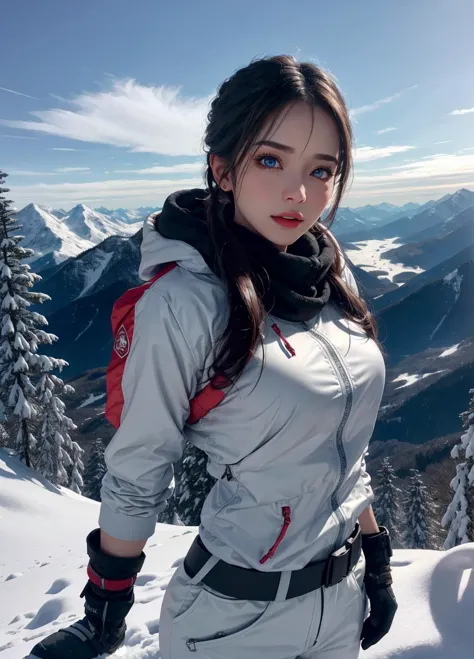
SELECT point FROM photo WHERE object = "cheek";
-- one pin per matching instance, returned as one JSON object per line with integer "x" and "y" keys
{"x": 258, "y": 186}
{"x": 322, "y": 194}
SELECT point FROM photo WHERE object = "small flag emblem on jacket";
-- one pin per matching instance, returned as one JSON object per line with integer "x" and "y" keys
{"x": 122, "y": 344}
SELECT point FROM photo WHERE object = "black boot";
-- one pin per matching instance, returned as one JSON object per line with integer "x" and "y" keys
{"x": 79, "y": 641}
{"x": 108, "y": 599}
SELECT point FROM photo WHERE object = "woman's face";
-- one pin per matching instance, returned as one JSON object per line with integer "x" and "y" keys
{"x": 291, "y": 174}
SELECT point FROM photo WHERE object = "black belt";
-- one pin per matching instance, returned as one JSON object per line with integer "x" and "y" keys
{"x": 249, "y": 584}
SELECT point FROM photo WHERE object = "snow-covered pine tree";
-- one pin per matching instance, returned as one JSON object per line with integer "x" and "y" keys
{"x": 95, "y": 471}
{"x": 193, "y": 484}
{"x": 459, "y": 516}
{"x": 387, "y": 507}
{"x": 170, "y": 513}
{"x": 420, "y": 515}
{"x": 21, "y": 336}
{"x": 75, "y": 482}
{"x": 54, "y": 442}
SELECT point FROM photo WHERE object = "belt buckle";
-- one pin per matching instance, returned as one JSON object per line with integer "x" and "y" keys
{"x": 338, "y": 565}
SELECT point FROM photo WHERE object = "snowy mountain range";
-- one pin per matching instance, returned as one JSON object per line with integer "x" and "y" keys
{"x": 402, "y": 225}
{"x": 59, "y": 235}
{"x": 417, "y": 274}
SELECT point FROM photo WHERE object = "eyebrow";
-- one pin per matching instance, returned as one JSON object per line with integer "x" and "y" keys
{"x": 290, "y": 149}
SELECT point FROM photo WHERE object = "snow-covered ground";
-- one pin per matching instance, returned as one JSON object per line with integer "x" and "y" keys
{"x": 92, "y": 276}
{"x": 42, "y": 571}
{"x": 410, "y": 379}
{"x": 370, "y": 257}
{"x": 92, "y": 398}
{"x": 450, "y": 351}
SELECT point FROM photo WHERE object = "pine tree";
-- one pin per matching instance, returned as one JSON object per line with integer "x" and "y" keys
{"x": 95, "y": 471}
{"x": 75, "y": 482}
{"x": 170, "y": 514}
{"x": 192, "y": 485}
{"x": 19, "y": 332}
{"x": 54, "y": 442}
{"x": 387, "y": 507}
{"x": 31, "y": 408}
{"x": 420, "y": 515}
{"x": 459, "y": 516}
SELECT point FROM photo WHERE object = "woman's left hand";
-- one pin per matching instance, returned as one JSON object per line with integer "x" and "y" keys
{"x": 383, "y": 607}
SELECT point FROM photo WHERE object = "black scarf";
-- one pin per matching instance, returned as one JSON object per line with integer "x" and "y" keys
{"x": 294, "y": 283}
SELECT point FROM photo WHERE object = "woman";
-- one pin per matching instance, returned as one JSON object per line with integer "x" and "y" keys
{"x": 289, "y": 554}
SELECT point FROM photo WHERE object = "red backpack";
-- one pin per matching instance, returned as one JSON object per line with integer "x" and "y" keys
{"x": 123, "y": 322}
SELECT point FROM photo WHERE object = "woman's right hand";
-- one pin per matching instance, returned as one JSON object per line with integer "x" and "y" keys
{"x": 108, "y": 599}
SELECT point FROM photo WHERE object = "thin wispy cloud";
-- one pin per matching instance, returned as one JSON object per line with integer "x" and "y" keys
{"x": 184, "y": 168}
{"x": 12, "y": 91}
{"x": 67, "y": 170}
{"x": 59, "y": 170}
{"x": 121, "y": 192}
{"x": 444, "y": 142}
{"x": 409, "y": 192}
{"x": 438, "y": 168}
{"x": 355, "y": 112}
{"x": 460, "y": 112}
{"x": 28, "y": 172}
{"x": 21, "y": 137}
{"x": 62, "y": 148}
{"x": 138, "y": 117}
{"x": 367, "y": 153}
{"x": 385, "y": 130}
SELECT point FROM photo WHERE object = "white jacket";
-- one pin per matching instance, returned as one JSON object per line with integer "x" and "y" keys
{"x": 287, "y": 448}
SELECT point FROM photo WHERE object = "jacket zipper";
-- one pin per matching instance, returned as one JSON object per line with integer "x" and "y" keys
{"x": 346, "y": 387}
{"x": 286, "y": 513}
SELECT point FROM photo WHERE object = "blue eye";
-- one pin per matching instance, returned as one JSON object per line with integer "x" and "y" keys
{"x": 320, "y": 172}
{"x": 269, "y": 161}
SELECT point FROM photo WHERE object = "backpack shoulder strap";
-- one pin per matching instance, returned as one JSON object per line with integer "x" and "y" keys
{"x": 207, "y": 399}
{"x": 123, "y": 322}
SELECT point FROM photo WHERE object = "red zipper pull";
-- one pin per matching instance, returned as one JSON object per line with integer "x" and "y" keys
{"x": 285, "y": 341}
{"x": 286, "y": 513}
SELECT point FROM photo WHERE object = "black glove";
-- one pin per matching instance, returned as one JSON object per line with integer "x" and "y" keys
{"x": 378, "y": 587}
{"x": 108, "y": 599}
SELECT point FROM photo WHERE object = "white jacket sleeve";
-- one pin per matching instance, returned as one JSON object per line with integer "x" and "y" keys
{"x": 159, "y": 380}
{"x": 366, "y": 479}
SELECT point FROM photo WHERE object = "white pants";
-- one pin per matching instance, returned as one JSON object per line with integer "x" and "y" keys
{"x": 196, "y": 621}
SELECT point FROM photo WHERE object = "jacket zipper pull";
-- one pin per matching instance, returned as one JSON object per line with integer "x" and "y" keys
{"x": 286, "y": 513}
{"x": 227, "y": 474}
{"x": 285, "y": 341}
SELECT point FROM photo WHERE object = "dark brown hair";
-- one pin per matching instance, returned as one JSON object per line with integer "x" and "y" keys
{"x": 253, "y": 97}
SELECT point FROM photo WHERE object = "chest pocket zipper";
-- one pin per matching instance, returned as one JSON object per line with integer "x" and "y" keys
{"x": 286, "y": 513}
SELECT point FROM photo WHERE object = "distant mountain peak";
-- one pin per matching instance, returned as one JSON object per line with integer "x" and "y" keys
{"x": 80, "y": 208}
{"x": 56, "y": 236}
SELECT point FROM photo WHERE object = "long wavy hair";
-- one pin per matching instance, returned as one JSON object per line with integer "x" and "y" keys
{"x": 249, "y": 102}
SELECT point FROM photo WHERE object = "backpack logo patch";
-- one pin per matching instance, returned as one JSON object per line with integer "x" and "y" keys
{"x": 122, "y": 343}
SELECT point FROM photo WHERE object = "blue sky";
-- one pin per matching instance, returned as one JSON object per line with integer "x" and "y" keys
{"x": 103, "y": 102}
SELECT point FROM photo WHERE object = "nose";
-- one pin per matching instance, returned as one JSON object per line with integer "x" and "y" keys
{"x": 296, "y": 194}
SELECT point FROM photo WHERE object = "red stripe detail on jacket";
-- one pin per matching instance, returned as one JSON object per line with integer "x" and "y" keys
{"x": 207, "y": 399}
{"x": 123, "y": 325}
